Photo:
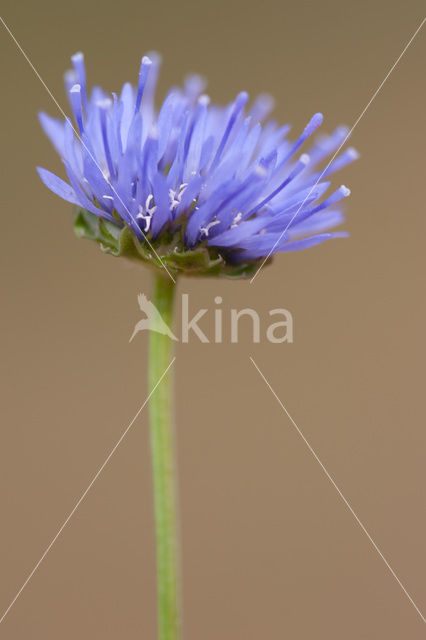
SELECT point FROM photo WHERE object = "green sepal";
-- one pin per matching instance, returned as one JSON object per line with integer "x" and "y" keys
{"x": 167, "y": 250}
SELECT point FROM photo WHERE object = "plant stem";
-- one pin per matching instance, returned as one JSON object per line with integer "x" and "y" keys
{"x": 163, "y": 463}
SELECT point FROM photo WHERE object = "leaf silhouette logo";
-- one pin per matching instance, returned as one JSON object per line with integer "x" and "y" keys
{"x": 153, "y": 320}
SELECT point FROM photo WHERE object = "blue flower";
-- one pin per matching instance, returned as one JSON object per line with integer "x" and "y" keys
{"x": 193, "y": 174}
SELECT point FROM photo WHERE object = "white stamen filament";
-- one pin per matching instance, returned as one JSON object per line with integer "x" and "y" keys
{"x": 236, "y": 220}
{"x": 176, "y": 196}
{"x": 150, "y": 209}
{"x": 147, "y": 213}
{"x": 205, "y": 230}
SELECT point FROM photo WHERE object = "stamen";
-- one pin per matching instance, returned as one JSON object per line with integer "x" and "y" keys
{"x": 150, "y": 210}
{"x": 147, "y": 219}
{"x": 205, "y": 230}
{"x": 176, "y": 196}
{"x": 236, "y": 220}
{"x": 147, "y": 213}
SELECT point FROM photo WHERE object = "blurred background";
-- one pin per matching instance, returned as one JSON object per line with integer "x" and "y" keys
{"x": 269, "y": 548}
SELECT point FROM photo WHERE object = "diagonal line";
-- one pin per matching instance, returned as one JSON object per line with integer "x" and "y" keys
{"x": 78, "y": 503}
{"x": 344, "y": 141}
{"x": 81, "y": 141}
{"x": 338, "y": 490}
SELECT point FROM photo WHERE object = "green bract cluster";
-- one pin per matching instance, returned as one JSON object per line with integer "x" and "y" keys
{"x": 166, "y": 251}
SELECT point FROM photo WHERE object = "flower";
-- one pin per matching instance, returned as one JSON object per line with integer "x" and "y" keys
{"x": 202, "y": 187}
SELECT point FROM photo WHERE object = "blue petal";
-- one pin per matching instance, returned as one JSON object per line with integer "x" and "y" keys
{"x": 316, "y": 223}
{"x": 161, "y": 198}
{"x": 58, "y": 186}
{"x": 55, "y": 131}
{"x": 239, "y": 234}
{"x": 259, "y": 246}
{"x": 306, "y": 243}
{"x": 269, "y": 244}
{"x": 83, "y": 200}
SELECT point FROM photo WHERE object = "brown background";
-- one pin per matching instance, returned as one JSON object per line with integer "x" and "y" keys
{"x": 270, "y": 550}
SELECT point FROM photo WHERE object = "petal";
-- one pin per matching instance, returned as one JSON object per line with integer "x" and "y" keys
{"x": 83, "y": 200}
{"x": 58, "y": 186}
{"x": 55, "y": 131}
{"x": 312, "y": 241}
{"x": 317, "y": 223}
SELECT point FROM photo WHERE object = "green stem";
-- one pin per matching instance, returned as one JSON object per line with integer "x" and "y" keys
{"x": 163, "y": 463}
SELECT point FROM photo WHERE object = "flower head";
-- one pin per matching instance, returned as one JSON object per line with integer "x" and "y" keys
{"x": 201, "y": 187}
